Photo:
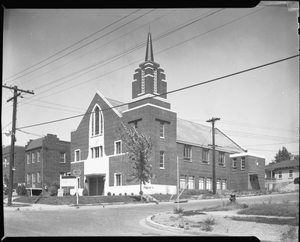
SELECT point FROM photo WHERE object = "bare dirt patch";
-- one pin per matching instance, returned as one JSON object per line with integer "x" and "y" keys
{"x": 222, "y": 224}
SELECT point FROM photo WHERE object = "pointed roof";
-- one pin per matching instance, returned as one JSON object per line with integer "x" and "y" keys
{"x": 35, "y": 144}
{"x": 149, "y": 49}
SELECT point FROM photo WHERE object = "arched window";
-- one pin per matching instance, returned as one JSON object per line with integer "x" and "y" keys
{"x": 97, "y": 122}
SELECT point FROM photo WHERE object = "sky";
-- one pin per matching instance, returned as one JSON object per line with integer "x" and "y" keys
{"x": 65, "y": 55}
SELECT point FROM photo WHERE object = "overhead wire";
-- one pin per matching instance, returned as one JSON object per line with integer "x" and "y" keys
{"x": 173, "y": 91}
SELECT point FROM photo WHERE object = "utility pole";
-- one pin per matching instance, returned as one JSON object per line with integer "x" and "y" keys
{"x": 213, "y": 120}
{"x": 13, "y": 137}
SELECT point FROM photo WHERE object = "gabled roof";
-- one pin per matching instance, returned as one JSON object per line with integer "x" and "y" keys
{"x": 282, "y": 165}
{"x": 35, "y": 144}
{"x": 200, "y": 135}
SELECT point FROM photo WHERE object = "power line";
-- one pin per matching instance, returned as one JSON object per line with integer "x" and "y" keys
{"x": 70, "y": 47}
{"x": 139, "y": 59}
{"x": 176, "y": 90}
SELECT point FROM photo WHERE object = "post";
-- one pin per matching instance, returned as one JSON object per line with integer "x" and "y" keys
{"x": 77, "y": 185}
{"x": 178, "y": 183}
{"x": 13, "y": 139}
{"x": 12, "y": 147}
{"x": 213, "y": 161}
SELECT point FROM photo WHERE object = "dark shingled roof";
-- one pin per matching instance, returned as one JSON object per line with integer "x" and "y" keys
{"x": 282, "y": 164}
{"x": 35, "y": 144}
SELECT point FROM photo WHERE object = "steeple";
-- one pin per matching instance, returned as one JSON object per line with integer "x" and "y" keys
{"x": 149, "y": 50}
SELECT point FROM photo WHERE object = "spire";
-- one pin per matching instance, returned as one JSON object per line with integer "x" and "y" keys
{"x": 149, "y": 50}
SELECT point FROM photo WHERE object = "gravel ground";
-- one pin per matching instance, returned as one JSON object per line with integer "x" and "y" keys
{"x": 223, "y": 225}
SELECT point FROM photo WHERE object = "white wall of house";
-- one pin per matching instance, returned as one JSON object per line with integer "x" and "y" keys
{"x": 285, "y": 175}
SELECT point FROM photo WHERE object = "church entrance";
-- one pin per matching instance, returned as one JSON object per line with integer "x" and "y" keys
{"x": 96, "y": 185}
{"x": 254, "y": 183}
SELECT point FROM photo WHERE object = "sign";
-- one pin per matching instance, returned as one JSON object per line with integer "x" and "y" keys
{"x": 76, "y": 172}
{"x": 60, "y": 192}
{"x": 68, "y": 182}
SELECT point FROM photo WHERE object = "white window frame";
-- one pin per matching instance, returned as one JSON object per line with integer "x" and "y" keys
{"x": 116, "y": 148}
{"x": 279, "y": 174}
{"x": 33, "y": 157}
{"x": 243, "y": 160}
{"x": 38, "y": 177}
{"x": 224, "y": 184}
{"x": 28, "y": 180}
{"x": 208, "y": 183}
{"x": 222, "y": 159}
{"x": 93, "y": 122}
{"x": 201, "y": 183}
{"x": 187, "y": 152}
{"x": 182, "y": 181}
{"x": 38, "y": 156}
{"x": 234, "y": 164}
{"x": 191, "y": 182}
{"x": 161, "y": 129}
{"x": 161, "y": 159}
{"x": 205, "y": 158}
{"x": 116, "y": 181}
{"x": 219, "y": 187}
{"x": 28, "y": 155}
{"x": 64, "y": 157}
{"x": 291, "y": 173}
{"x": 75, "y": 155}
{"x": 33, "y": 178}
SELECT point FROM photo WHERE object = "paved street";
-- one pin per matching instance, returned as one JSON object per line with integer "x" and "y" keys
{"x": 113, "y": 220}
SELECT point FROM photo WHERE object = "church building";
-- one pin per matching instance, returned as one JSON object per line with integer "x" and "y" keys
{"x": 99, "y": 157}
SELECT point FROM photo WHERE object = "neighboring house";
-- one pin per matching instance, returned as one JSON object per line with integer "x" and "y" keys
{"x": 47, "y": 159}
{"x": 281, "y": 173}
{"x": 19, "y": 164}
{"x": 100, "y": 158}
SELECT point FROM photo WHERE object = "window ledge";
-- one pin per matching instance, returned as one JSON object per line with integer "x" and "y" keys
{"x": 161, "y": 168}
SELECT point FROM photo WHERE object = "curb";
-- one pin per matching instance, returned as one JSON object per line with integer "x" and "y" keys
{"x": 153, "y": 224}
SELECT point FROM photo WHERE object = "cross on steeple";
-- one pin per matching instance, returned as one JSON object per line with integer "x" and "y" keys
{"x": 149, "y": 49}
{"x": 5, "y": 163}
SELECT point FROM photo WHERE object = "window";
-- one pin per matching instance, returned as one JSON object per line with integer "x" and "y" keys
{"x": 234, "y": 164}
{"x": 243, "y": 163}
{"x": 162, "y": 160}
{"x": 187, "y": 152}
{"x": 208, "y": 183}
{"x": 279, "y": 174}
{"x": 205, "y": 156}
{"x": 290, "y": 173}
{"x": 62, "y": 157}
{"x": 161, "y": 129}
{"x": 191, "y": 182}
{"x": 218, "y": 184}
{"x": 118, "y": 147}
{"x": 201, "y": 183}
{"x": 33, "y": 157}
{"x": 96, "y": 152}
{"x": 38, "y": 156}
{"x": 38, "y": 177}
{"x": 28, "y": 158}
{"x": 77, "y": 155}
{"x": 118, "y": 179}
{"x": 182, "y": 181}
{"x": 28, "y": 178}
{"x": 221, "y": 159}
{"x": 97, "y": 122}
{"x": 224, "y": 184}
{"x": 33, "y": 177}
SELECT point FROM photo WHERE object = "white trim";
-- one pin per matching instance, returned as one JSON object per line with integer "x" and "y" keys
{"x": 115, "y": 179}
{"x": 246, "y": 154}
{"x": 75, "y": 155}
{"x": 109, "y": 104}
{"x": 150, "y": 95}
{"x": 115, "y": 147}
{"x": 231, "y": 139}
{"x": 149, "y": 104}
{"x": 149, "y": 75}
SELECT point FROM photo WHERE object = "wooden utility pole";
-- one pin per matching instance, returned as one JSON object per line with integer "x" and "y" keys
{"x": 13, "y": 138}
{"x": 213, "y": 120}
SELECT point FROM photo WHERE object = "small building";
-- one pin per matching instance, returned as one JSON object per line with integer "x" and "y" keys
{"x": 19, "y": 164}
{"x": 99, "y": 157}
{"x": 47, "y": 159}
{"x": 280, "y": 174}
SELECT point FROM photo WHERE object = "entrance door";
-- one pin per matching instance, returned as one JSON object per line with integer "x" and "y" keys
{"x": 96, "y": 186}
{"x": 254, "y": 183}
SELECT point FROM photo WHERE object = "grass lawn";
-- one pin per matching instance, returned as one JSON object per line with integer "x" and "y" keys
{"x": 272, "y": 209}
{"x": 280, "y": 221}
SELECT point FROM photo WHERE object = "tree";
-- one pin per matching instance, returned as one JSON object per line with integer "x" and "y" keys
{"x": 282, "y": 155}
{"x": 139, "y": 148}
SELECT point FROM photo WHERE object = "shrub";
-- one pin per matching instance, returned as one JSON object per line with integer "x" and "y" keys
{"x": 85, "y": 192}
{"x": 120, "y": 194}
{"x": 125, "y": 194}
{"x": 178, "y": 210}
{"x": 113, "y": 194}
{"x": 53, "y": 189}
{"x": 109, "y": 194}
{"x": 296, "y": 181}
{"x": 141, "y": 193}
{"x": 5, "y": 190}
{"x": 206, "y": 227}
{"x": 132, "y": 194}
{"x": 209, "y": 221}
{"x": 21, "y": 190}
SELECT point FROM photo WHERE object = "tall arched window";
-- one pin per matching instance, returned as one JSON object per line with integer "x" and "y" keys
{"x": 97, "y": 122}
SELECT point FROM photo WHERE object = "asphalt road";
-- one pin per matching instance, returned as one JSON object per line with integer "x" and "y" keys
{"x": 112, "y": 220}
